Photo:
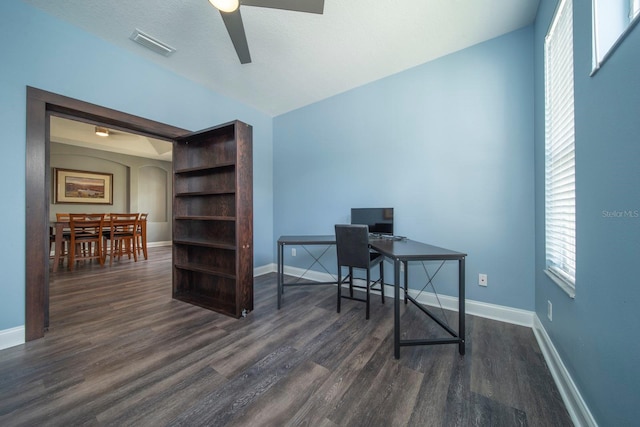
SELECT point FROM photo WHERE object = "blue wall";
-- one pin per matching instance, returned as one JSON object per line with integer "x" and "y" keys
{"x": 49, "y": 54}
{"x": 596, "y": 334}
{"x": 448, "y": 144}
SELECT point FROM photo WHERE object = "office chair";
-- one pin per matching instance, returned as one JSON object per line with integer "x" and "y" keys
{"x": 352, "y": 246}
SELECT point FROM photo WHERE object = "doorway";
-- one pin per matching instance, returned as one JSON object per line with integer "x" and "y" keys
{"x": 40, "y": 106}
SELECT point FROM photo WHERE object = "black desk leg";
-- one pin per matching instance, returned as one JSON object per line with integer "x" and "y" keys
{"x": 280, "y": 273}
{"x": 406, "y": 280}
{"x": 461, "y": 296}
{"x": 396, "y": 308}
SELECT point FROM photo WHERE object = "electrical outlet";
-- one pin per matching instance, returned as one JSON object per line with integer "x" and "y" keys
{"x": 293, "y": 252}
{"x": 482, "y": 279}
{"x": 549, "y": 310}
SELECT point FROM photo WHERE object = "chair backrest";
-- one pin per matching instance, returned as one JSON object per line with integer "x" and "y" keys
{"x": 123, "y": 224}
{"x": 86, "y": 225}
{"x": 63, "y": 217}
{"x": 142, "y": 218}
{"x": 352, "y": 245}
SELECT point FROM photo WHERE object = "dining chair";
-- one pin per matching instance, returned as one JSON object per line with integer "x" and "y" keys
{"x": 52, "y": 246}
{"x": 65, "y": 237}
{"x": 121, "y": 236}
{"x": 62, "y": 217}
{"x": 141, "y": 234}
{"x": 85, "y": 242}
{"x": 352, "y": 247}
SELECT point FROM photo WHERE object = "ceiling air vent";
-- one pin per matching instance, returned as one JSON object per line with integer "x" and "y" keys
{"x": 151, "y": 43}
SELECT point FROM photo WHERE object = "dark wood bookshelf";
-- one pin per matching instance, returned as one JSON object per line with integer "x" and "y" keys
{"x": 213, "y": 219}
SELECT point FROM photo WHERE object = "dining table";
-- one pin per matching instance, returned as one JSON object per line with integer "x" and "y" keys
{"x": 58, "y": 228}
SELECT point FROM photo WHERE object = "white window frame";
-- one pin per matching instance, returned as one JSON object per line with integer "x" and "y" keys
{"x": 560, "y": 218}
{"x": 634, "y": 9}
{"x": 612, "y": 20}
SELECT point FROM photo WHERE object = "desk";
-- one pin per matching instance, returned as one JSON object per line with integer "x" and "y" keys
{"x": 399, "y": 251}
{"x": 301, "y": 241}
{"x": 404, "y": 251}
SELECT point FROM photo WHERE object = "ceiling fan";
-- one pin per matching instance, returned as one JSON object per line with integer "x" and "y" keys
{"x": 230, "y": 11}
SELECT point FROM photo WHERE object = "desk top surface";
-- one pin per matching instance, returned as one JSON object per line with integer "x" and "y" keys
{"x": 402, "y": 249}
{"x": 407, "y": 249}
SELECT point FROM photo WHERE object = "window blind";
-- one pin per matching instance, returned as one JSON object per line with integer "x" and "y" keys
{"x": 560, "y": 206}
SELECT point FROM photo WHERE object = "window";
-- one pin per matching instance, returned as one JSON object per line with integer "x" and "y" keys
{"x": 560, "y": 204}
{"x": 612, "y": 21}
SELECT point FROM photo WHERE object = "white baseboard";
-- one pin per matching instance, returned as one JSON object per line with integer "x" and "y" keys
{"x": 268, "y": 268}
{"x": 490, "y": 311}
{"x": 158, "y": 244}
{"x": 500, "y": 313}
{"x": 12, "y": 337}
{"x": 576, "y": 406}
{"x": 316, "y": 276}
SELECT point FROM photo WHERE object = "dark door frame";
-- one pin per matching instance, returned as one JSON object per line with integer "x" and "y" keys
{"x": 40, "y": 106}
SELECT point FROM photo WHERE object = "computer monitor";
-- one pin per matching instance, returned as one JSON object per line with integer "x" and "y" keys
{"x": 379, "y": 220}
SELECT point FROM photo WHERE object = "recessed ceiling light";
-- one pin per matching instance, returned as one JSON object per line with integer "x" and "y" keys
{"x": 101, "y": 131}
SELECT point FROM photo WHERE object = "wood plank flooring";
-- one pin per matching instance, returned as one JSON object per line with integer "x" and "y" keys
{"x": 121, "y": 352}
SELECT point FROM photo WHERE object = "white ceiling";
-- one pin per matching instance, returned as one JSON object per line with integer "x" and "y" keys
{"x": 81, "y": 134}
{"x": 298, "y": 58}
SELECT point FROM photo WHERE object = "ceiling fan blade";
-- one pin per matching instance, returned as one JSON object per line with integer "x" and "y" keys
{"x": 233, "y": 22}
{"x": 309, "y": 6}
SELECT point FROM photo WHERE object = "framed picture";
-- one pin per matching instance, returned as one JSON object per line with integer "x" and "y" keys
{"x": 72, "y": 186}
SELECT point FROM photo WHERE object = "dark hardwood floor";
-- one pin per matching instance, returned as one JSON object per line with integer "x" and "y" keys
{"x": 120, "y": 352}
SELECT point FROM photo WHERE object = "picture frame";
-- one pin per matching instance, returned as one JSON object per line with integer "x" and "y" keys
{"x": 82, "y": 187}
